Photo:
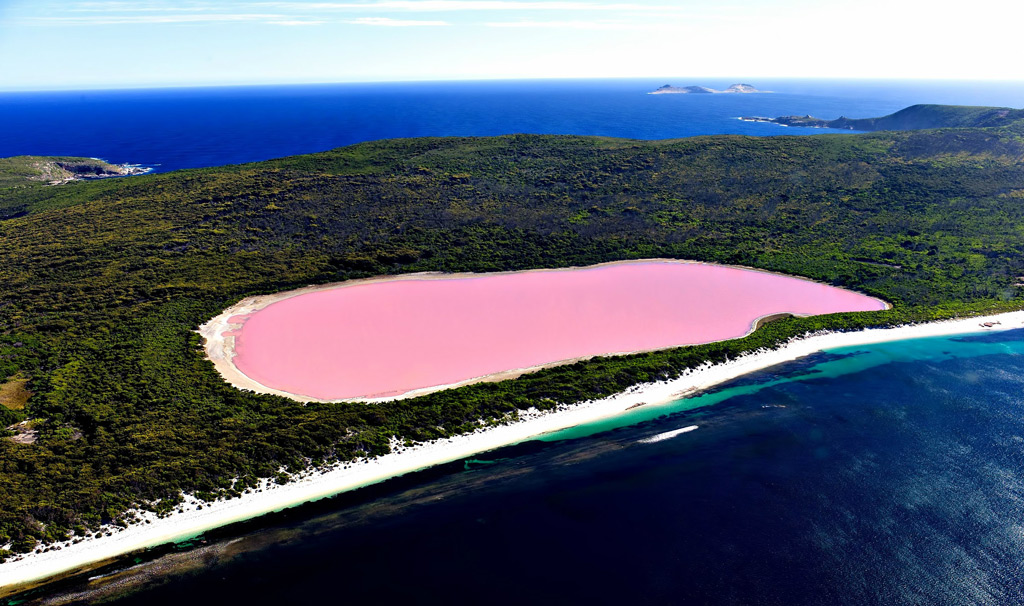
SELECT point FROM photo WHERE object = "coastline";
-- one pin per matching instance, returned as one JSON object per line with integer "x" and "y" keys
{"x": 219, "y": 332}
{"x": 198, "y": 517}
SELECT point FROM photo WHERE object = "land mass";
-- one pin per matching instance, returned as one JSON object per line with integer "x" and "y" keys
{"x": 107, "y": 282}
{"x": 25, "y": 179}
{"x": 52, "y": 170}
{"x": 668, "y": 89}
{"x": 915, "y": 117}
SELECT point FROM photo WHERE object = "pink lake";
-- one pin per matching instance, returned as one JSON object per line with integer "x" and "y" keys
{"x": 388, "y": 338}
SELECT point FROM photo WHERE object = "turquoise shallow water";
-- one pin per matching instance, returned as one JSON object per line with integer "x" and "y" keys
{"x": 883, "y": 474}
{"x": 833, "y": 363}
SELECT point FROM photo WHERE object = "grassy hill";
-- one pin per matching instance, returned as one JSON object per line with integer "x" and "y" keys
{"x": 918, "y": 117}
{"x": 106, "y": 282}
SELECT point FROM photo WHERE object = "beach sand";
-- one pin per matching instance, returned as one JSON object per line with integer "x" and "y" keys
{"x": 198, "y": 517}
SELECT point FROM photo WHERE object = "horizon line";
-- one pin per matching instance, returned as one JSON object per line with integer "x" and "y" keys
{"x": 202, "y": 85}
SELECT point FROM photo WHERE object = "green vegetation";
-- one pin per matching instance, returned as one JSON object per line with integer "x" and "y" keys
{"x": 917, "y": 117}
{"x": 106, "y": 282}
{"x": 25, "y": 181}
{"x": 23, "y": 171}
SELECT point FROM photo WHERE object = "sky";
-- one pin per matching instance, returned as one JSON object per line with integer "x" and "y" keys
{"x": 79, "y": 44}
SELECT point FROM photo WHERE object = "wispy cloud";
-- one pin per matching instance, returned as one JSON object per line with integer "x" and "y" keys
{"x": 265, "y": 18}
{"x": 141, "y": 7}
{"x": 474, "y": 5}
{"x": 295, "y": 22}
{"x": 114, "y": 19}
{"x": 586, "y": 25}
{"x": 378, "y": 5}
{"x": 298, "y": 13}
{"x": 388, "y": 22}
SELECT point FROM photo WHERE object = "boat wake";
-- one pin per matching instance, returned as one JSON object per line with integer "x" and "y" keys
{"x": 668, "y": 435}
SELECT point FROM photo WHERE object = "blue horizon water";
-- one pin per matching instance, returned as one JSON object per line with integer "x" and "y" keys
{"x": 176, "y": 128}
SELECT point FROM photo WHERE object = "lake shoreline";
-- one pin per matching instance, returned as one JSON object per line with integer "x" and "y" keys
{"x": 219, "y": 333}
{"x": 196, "y": 517}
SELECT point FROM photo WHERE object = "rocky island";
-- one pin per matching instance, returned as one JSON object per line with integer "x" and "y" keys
{"x": 668, "y": 89}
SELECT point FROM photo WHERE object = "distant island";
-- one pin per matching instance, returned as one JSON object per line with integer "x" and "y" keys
{"x": 915, "y": 117}
{"x": 668, "y": 89}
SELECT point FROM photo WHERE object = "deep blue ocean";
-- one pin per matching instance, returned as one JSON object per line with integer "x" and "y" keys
{"x": 889, "y": 474}
{"x": 187, "y": 128}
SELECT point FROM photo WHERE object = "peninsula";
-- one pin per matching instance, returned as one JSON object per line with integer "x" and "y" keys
{"x": 915, "y": 117}
{"x": 58, "y": 170}
{"x": 668, "y": 89}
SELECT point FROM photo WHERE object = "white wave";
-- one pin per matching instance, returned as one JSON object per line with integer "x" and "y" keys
{"x": 667, "y": 435}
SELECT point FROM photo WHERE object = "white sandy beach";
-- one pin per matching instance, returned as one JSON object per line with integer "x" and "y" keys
{"x": 199, "y": 517}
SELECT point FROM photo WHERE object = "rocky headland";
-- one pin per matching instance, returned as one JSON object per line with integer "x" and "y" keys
{"x": 915, "y": 117}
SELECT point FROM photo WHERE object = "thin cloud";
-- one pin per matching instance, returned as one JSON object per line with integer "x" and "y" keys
{"x": 266, "y": 18}
{"x": 125, "y": 7}
{"x": 587, "y": 25}
{"x": 390, "y": 5}
{"x": 388, "y": 22}
{"x": 294, "y": 13}
{"x": 156, "y": 19}
{"x": 295, "y": 22}
{"x": 474, "y": 5}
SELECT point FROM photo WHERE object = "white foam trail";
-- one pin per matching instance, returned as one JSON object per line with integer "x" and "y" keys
{"x": 667, "y": 435}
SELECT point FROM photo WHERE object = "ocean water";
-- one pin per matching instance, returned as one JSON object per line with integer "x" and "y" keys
{"x": 170, "y": 129}
{"x": 886, "y": 474}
